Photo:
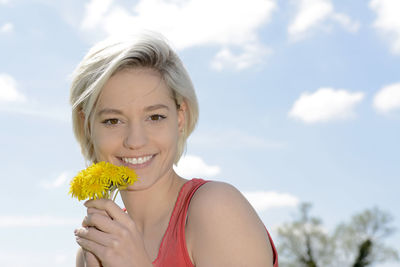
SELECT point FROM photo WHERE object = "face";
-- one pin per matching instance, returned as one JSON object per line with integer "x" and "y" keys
{"x": 137, "y": 124}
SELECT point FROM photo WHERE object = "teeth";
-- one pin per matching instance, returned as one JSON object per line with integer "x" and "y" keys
{"x": 140, "y": 160}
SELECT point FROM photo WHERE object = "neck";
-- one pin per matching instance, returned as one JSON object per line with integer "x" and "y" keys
{"x": 150, "y": 206}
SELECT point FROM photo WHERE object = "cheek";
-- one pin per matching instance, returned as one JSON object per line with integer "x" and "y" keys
{"x": 103, "y": 144}
{"x": 167, "y": 138}
{"x": 173, "y": 142}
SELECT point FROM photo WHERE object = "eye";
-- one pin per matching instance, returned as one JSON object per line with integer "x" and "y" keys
{"x": 112, "y": 121}
{"x": 157, "y": 117}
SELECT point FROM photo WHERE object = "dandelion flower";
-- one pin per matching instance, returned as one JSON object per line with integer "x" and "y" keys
{"x": 100, "y": 180}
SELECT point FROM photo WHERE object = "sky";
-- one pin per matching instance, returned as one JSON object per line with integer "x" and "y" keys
{"x": 299, "y": 102}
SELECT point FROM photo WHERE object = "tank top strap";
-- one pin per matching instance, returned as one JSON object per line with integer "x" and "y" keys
{"x": 173, "y": 250}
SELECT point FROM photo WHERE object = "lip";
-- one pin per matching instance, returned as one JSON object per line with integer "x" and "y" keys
{"x": 137, "y": 166}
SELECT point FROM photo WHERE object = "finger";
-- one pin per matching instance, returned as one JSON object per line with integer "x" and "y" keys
{"x": 95, "y": 235}
{"x": 101, "y": 222}
{"x": 112, "y": 209}
{"x": 94, "y": 210}
{"x": 91, "y": 246}
{"x": 123, "y": 223}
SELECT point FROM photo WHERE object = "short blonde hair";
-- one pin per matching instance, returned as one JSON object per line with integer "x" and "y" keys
{"x": 147, "y": 50}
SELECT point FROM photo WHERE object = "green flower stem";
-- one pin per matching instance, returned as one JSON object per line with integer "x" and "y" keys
{"x": 115, "y": 196}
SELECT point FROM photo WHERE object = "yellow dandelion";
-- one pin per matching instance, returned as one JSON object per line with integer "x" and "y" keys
{"x": 95, "y": 188}
{"x": 76, "y": 188}
{"x": 100, "y": 180}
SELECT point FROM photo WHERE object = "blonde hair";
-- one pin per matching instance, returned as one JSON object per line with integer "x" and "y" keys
{"x": 148, "y": 50}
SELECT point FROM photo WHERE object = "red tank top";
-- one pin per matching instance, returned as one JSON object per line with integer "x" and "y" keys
{"x": 173, "y": 251}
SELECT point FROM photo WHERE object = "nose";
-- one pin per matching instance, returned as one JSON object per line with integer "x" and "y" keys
{"x": 136, "y": 136}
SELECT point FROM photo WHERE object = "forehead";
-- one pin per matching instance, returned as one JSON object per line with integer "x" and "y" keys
{"x": 134, "y": 88}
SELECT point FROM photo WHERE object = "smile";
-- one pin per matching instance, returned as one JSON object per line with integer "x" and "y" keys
{"x": 139, "y": 160}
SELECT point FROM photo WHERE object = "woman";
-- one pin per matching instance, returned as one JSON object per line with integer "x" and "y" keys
{"x": 134, "y": 104}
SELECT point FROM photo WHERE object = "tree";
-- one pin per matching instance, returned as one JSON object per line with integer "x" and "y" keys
{"x": 357, "y": 243}
{"x": 304, "y": 242}
{"x": 363, "y": 253}
{"x": 361, "y": 240}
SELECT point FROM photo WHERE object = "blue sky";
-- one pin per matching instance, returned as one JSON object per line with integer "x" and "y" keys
{"x": 299, "y": 102}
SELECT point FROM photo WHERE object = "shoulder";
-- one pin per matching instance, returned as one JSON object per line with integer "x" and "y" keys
{"x": 221, "y": 198}
{"x": 222, "y": 223}
{"x": 212, "y": 191}
{"x": 215, "y": 199}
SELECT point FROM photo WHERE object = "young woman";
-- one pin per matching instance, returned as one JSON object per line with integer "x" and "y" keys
{"x": 133, "y": 104}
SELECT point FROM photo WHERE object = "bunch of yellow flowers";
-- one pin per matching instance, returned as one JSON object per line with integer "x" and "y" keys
{"x": 100, "y": 180}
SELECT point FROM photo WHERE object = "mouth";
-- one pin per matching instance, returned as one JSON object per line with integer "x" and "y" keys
{"x": 137, "y": 162}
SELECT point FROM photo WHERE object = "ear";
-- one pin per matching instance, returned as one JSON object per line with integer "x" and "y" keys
{"x": 182, "y": 116}
{"x": 81, "y": 118}
{"x": 81, "y": 114}
{"x": 82, "y": 121}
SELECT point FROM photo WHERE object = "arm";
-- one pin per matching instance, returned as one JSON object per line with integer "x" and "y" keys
{"x": 224, "y": 230}
{"x": 86, "y": 259}
{"x": 80, "y": 258}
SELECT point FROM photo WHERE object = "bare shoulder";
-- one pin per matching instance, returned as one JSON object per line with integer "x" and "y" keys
{"x": 223, "y": 229}
{"x": 213, "y": 191}
{"x": 220, "y": 199}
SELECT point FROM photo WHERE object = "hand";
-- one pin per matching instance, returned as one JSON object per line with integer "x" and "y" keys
{"x": 111, "y": 235}
{"x": 86, "y": 258}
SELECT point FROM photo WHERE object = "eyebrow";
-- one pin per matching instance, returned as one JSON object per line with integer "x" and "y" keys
{"x": 155, "y": 107}
{"x": 119, "y": 112}
{"x": 109, "y": 111}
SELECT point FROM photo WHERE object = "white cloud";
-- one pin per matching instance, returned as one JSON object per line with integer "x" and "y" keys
{"x": 56, "y": 183}
{"x": 7, "y": 28}
{"x": 312, "y": 14}
{"x": 191, "y": 166}
{"x": 225, "y": 23}
{"x": 251, "y": 55}
{"x": 95, "y": 10}
{"x": 8, "y": 89}
{"x": 37, "y": 221}
{"x": 232, "y": 139}
{"x": 388, "y": 20}
{"x": 325, "y": 104}
{"x": 346, "y": 22}
{"x": 388, "y": 98}
{"x": 13, "y": 101}
{"x": 264, "y": 200}
{"x": 4, "y": 2}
